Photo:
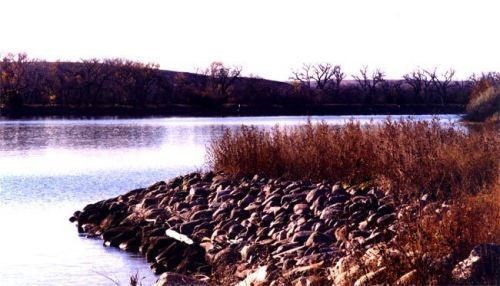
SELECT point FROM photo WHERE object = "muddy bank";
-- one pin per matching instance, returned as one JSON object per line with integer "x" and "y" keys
{"x": 218, "y": 231}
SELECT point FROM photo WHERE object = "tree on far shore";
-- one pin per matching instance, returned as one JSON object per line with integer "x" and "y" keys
{"x": 13, "y": 80}
{"x": 420, "y": 84}
{"x": 324, "y": 78}
{"x": 369, "y": 84}
{"x": 220, "y": 80}
{"x": 441, "y": 83}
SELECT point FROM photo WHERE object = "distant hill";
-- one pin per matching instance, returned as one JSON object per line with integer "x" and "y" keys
{"x": 120, "y": 87}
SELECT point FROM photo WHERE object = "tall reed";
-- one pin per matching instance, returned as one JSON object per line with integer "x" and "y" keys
{"x": 412, "y": 157}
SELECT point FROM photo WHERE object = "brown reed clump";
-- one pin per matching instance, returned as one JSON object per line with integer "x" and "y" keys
{"x": 412, "y": 157}
{"x": 432, "y": 243}
{"x": 485, "y": 106}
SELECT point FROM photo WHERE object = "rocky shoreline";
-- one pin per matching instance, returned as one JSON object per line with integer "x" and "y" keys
{"x": 207, "y": 229}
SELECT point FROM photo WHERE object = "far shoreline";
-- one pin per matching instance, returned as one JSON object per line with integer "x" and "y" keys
{"x": 231, "y": 110}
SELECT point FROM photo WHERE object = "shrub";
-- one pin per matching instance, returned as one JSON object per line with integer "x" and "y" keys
{"x": 484, "y": 105}
{"x": 417, "y": 157}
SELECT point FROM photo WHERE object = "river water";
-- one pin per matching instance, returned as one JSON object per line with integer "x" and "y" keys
{"x": 51, "y": 167}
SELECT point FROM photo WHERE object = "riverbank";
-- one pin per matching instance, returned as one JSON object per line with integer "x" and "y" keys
{"x": 260, "y": 230}
{"x": 234, "y": 110}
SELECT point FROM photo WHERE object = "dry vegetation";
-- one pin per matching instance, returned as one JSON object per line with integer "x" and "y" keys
{"x": 484, "y": 99}
{"x": 456, "y": 169}
{"x": 485, "y": 106}
{"x": 412, "y": 157}
{"x": 432, "y": 238}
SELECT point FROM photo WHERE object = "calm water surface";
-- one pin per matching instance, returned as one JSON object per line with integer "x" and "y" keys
{"x": 52, "y": 167}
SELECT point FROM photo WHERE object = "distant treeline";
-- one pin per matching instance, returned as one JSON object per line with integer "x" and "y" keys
{"x": 27, "y": 83}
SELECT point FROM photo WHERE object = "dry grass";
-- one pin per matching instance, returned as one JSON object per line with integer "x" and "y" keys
{"x": 439, "y": 237}
{"x": 485, "y": 105}
{"x": 484, "y": 100}
{"x": 410, "y": 157}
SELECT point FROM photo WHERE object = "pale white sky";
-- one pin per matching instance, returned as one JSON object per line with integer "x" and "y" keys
{"x": 267, "y": 38}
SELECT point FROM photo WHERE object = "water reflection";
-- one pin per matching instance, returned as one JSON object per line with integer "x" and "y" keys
{"x": 22, "y": 135}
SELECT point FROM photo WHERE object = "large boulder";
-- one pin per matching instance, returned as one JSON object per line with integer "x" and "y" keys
{"x": 481, "y": 267}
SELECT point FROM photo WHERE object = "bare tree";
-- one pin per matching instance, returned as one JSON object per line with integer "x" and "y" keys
{"x": 324, "y": 77}
{"x": 92, "y": 79}
{"x": 369, "y": 84}
{"x": 339, "y": 77}
{"x": 441, "y": 83}
{"x": 41, "y": 78}
{"x": 303, "y": 76}
{"x": 492, "y": 77}
{"x": 144, "y": 77}
{"x": 419, "y": 83}
{"x": 66, "y": 84}
{"x": 464, "y": 87}
{"x": 394, "y": 91}
{"x": 220, "y": 79}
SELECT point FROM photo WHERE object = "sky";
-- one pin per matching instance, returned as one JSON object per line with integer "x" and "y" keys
{"x": 268, "y": 38}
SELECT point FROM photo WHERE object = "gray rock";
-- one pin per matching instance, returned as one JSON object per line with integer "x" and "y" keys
{"x": 315, "y": 193}
{"x": 330, "y": 212}
{"x": 126, "y": 232}
{"x": 300, "y": 209}
{"x": 317, "y": 238}
{"x": 338, "y": 199}
{"x": 385, "y": 209}
{"x": 301, "y": 236}
{"x": 227, "y": 256}
{"x": 174, "y": 279}
{"x": 337, "y": 189}
{"x": 292, "y": 198}
{"x": 248, "y": 251}
{"x": 220, "y": 192}
{"x": 202, "y": 192}
{"x": 357, "y": 233}
{"x": 481, "y": 267}
{"x": 374, "y": 238}
{"x": 157, "y": 245}
{"x": 357, "y": 206}
{"x": 358, "y": 215}
{"x": 372, "y": 218}
{"x": 363, "y": 225}
{"x": 386, "y": 219}
{"x": 248, "y": 199}
{"x": 201, "y": 214}
{"x": 187, "y": 228}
